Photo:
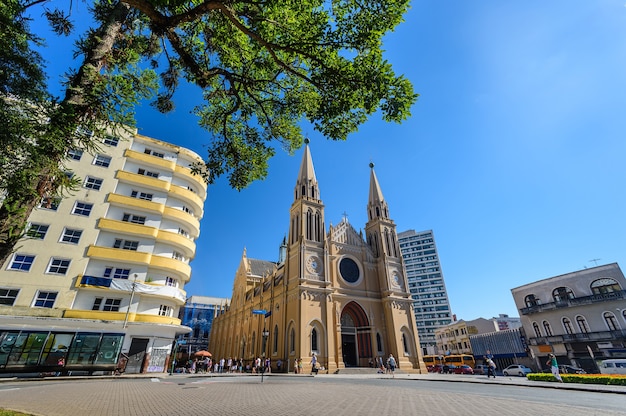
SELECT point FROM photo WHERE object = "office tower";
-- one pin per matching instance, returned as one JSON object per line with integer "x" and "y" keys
{"x": 98, "y": 280}
{"x": 428, "y": 290}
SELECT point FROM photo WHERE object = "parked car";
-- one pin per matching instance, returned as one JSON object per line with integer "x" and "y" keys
{"x": 463, "y": 369}
{"x": 480, "y": 369}
{"x": 613, "y": 366}
{"x": 517, "y": 370}
{"x": 568, "y": 369}
{"x": 449, "y": 368}
{"x": 437, "y": 368}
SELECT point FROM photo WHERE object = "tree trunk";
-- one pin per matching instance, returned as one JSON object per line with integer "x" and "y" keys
{"x": 75, "y": 109}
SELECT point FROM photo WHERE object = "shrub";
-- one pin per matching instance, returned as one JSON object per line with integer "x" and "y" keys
{"x": 606, "y": 379}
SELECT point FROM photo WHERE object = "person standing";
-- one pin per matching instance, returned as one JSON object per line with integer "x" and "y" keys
{"x": 491, "y": 368}
{"x": 391, "y": 362}
{"x": 554, "y": 367}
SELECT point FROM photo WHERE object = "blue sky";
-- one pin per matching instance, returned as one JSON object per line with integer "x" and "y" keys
{"x": 514, "y": 155}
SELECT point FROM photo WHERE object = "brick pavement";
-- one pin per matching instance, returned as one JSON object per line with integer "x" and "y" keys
{"x": 246, "y": 395}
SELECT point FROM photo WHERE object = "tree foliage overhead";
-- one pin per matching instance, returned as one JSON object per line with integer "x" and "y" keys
{"x": 263, "y": 67}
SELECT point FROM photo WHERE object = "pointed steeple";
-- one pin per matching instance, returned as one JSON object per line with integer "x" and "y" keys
{"x": 306, "y": 185}
{"x": 376, "y": 206}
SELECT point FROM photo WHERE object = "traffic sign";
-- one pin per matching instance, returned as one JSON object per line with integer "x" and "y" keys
{"x": 259, "y": 311}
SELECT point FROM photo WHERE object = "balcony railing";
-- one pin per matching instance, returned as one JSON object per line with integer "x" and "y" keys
{"x": 127, "y": 286}
{"x": 565, "y": 303}
{"x": 599, "y": 336}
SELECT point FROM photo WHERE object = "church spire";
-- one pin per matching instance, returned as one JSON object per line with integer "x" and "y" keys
{"x": 306, "y": 185}
{"x": 376, "y": 206}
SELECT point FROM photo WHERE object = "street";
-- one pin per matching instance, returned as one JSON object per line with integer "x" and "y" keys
{"x": 297, "y": 395}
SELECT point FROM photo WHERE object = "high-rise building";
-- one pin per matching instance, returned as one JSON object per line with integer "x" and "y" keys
{"x": 339, "y": 294}
{"x": 98, "y": 281}
{"x": 426, "y": 284}
{"x": 198, "y": 314}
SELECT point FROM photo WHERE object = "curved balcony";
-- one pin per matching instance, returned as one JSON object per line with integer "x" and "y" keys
{"x": 95, "y": 315}
{"x": 140, "y": 204}
{"x": 142, "y": 180}
{"x": 169, "y": 265}
{"x": 195, "y": 180}
{"x": 197, "y": 204}
{"x": 189, "y": 221}
{"x": 118, "y": 254}
{"x": 147, "y": 159}
{"x": 128, "y": 228}
{"x": 187, "y": 246}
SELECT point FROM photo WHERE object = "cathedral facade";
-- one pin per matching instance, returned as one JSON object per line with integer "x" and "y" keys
{"x": 337, "y": 294}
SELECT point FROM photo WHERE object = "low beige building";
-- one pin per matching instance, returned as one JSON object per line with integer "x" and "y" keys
{"x": 339, "y": 294}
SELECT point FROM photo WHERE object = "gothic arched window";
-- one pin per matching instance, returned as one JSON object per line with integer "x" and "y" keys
{"x": 536, "y": 329}
{"x": 605, "y": 285}
{"x": 547, "y": 328}
{"x": 314, "y": 340}
{"x": 562, "y": 293}
{"x": 567, "y": 325}
{"x": 531, "y": 300}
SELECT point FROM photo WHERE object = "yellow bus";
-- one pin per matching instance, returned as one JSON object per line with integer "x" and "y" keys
{"x": 458, "y": 360}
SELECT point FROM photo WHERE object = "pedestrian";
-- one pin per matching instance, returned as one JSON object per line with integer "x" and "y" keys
{"x": 381, "y": 366}
{"x": 554, "y": 367}
{"x": 391, "y": 362}
{"x": 491, "y": 368}
{"x": 300, "y": 365}
{"x": 279, "y": 365}
{"x": 314, "y": 364}
{"x": 295, "y": 365}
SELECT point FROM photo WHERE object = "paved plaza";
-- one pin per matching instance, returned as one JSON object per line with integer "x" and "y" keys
{"x": 296, "y": 395}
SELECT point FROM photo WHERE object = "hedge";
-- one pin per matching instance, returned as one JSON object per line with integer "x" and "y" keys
{"x": 605, "y": 379}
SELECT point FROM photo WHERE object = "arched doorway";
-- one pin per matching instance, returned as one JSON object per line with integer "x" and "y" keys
{"x": 355, "y": 336}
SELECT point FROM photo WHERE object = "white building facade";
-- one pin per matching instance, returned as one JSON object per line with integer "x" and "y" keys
{"x": 98, "y": 282}
{"x": 428, "y": 290}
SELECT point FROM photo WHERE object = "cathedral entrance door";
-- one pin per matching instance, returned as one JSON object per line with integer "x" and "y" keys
{"x": 348, "y": 347}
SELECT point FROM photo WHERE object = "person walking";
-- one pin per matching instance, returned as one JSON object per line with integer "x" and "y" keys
{"x": 314, "y": 364}
{"x": 554, "y": 367}
{"x": 391, "y": 362}
{"x": 491, "y": 368}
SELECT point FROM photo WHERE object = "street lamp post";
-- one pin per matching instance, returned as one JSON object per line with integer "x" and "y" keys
{"x": 132, "y": 295}
{"x": 265, "y": 334}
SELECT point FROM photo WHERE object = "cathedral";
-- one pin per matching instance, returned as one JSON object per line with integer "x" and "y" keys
{"x": 337, "y": 295}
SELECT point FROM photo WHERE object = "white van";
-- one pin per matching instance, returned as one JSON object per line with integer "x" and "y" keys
{"x": 615, "y": 366}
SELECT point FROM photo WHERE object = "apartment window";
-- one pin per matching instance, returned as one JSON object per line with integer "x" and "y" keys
{"x": 45, "y": 299}
{"x": 111, "y": 140}
{"x": 141, "y": 195}
{"x": 8, "y": 296}
{"x": 97, "y": 303}
{"x": 153, "y": 153}
{"x": 170, "y": 282}
{"x": 125, "y": 244}
{"x": 531, "y": 301}
{"x": 582, "y": 324}
{"x": 148, "y": 173}
{"x": 102, "y": 160}
{"x": 58, "y": 266}
{"x": 176, "y": 255}
{"x": 184, "y": 232}
{"x": 562, "y": 293}
{"x": 165, "y": 310}
{"x": 604, "y": 286}
{"x": 135, "y": 219}
{"x": 187, "y": 210}
{"x": 71, "y": 236}
{"x": 75, "y": 154}
{"x": 547, "y": 328}
{"x": 51, "y": 203}
{"x": 84, "y": 131}
{"x": 536, "y": 329}
{"x": 121, "y": 273}
{"x": 567, "y": 325}
{"x": 37, "y": 231}
{"x": 93, "y": 183}
{"x": 611, "y": 322}
{"x": 69, "y": 174}
{"x": 112, "y": 305}
{"x": 22, "y": 262}
{"x": 82, "y": 208}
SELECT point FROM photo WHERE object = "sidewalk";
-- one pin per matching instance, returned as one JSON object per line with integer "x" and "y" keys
{"x": 456, "y": 378}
